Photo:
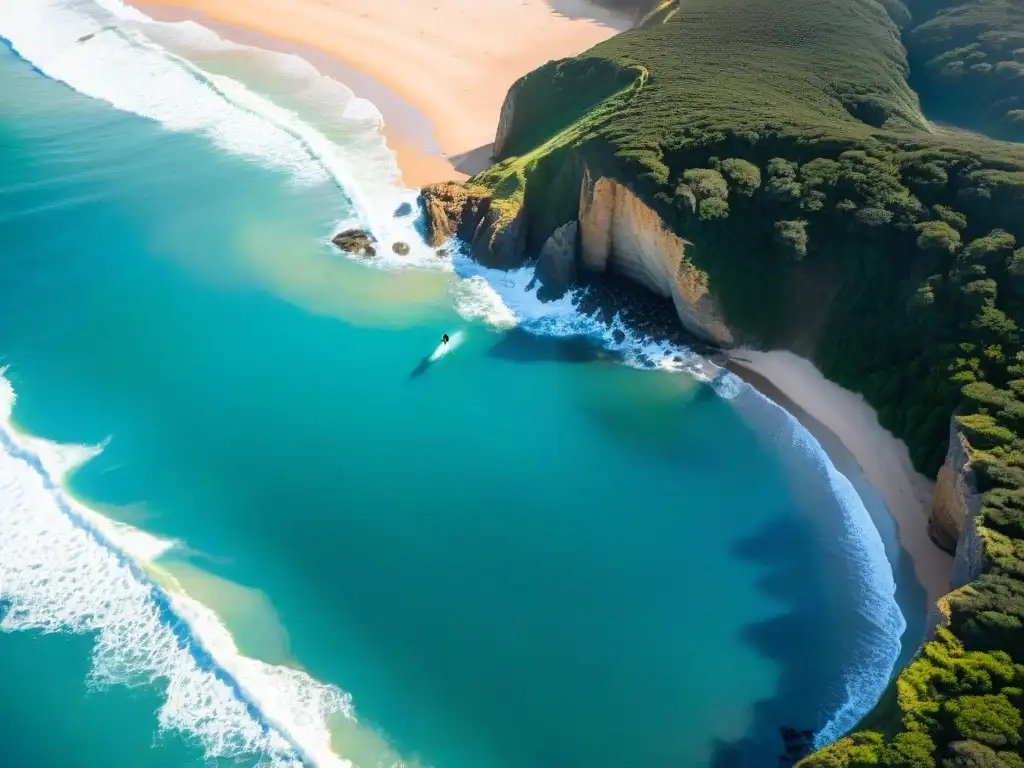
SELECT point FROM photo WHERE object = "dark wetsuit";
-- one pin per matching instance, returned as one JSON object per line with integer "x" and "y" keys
{"x": 444, "y": 338}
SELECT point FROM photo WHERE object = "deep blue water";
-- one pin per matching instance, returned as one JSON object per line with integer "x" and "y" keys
{"x": 523, "y": 554}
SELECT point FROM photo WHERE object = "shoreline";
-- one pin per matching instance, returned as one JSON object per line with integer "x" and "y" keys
{"x": 406, "y": 130}
{"x": 439, "y": 78}
{"x": 441, "y": 133}
{"x": 842, "y": 418}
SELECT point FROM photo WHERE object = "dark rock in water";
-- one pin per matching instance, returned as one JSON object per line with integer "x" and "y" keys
{"x": 796, "y": 745}
{"x": 442, "y": 252}
{"x": 356, "y": 241}
{"x": 402, "y": 249}
{"x": 619, "y": 336}
{"x": 403, "y": 210}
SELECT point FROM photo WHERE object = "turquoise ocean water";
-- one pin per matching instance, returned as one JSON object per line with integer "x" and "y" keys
{"x": 245, "y": 519}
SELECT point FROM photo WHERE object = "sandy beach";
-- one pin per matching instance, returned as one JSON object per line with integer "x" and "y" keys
{"x": 439, "y": 75}
{"x": 452, "y": 60}
{"x": 884, "y": 460}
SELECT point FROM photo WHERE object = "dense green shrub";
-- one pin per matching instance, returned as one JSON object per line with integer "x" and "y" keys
{"x": 781, "y": 138}
{"x": 706, "y": 183}
{"x": 744, "y": 177}
{"x": 792, "y": 237}
{"x": 967, "y": 62}
{"x": 938, "y": 236}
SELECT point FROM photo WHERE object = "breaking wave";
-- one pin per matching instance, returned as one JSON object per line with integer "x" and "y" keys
{"x": 279, "y": 111}
{"x": 65, "y": 568}
{"x": 869, "y": 652}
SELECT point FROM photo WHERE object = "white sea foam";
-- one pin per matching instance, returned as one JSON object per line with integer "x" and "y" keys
{"x": 281, "y": 112}
{"x": 277, "y": 110}
{"x": 65, "y": 568}
{"x": 507, "y": 299}
{"x": 121, "y": 66}
{"x": 870, "y": 665}
{"x": 444, "y": 348}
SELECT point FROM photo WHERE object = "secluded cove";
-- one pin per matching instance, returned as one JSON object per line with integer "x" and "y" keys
{"x": 524, "y": 554}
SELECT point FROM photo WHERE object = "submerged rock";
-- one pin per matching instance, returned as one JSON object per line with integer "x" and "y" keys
{"x": 402, "y": 249}
{"x": 403, "y": 210}
{"x": 797, "y": 744}
{"x": 356, "y": 241}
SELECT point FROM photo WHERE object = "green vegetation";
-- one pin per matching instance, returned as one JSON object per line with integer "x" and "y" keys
{"x": 967, "y": 62}
{"x": 782, "y": 140}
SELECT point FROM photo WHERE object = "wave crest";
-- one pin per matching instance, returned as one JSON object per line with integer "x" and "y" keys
{"x": 59, "y": 572}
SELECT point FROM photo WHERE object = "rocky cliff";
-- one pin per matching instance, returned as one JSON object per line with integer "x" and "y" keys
{"x": 508, "y": 110}
{"x": 956, "y": 499}
{"x": 620, "y": 233}
{"x": 970, "y": 554}
{"x": 494, "y": 229}
{"x": 614, "y": 231}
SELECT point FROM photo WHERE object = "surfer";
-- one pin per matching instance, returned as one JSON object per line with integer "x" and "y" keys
{"x": 444, "y": 339}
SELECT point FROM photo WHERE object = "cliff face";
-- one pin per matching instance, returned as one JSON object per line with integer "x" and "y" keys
{"x": 508, "y": 109}
{"x": 494, "y": 229}
{"x": 956, "y": 500}
{"x": 556, "y": 263}
{"x": 614, "y": 232}
{"x": 619, "y": 233}
{"x": 970, "y": 552}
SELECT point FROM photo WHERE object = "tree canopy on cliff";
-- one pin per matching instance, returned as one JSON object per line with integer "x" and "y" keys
{"x": 783, "y": 140}
{"x": 967, "y": 62}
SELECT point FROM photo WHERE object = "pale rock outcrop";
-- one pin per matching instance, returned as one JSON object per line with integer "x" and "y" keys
{"x": 956, "y": 499}
{"x": 556, "y": 264}
{"x": 620, "y": 233}
{"x": 614, "y": 231}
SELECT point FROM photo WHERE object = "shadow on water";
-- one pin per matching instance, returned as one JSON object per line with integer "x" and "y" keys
{"x": 518, "y": 345}
{"x": 422, "y": 367}
{"x": 797, "y": 641}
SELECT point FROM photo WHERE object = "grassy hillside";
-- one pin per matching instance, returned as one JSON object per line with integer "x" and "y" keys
{"x": 967, "y": 61}
{"x": 781, "y": 138}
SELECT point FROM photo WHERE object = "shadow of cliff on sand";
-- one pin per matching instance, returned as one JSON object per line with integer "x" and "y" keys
{"x": 474, "y": 161}
{"x": 797, "y": 641}
{"x": 609, "y": 13}
{"x": 522, "y": 346}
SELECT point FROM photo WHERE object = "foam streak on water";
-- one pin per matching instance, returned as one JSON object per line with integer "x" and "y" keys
{"x": 870, "y": 665}
{"x": 280, "y": 112}
{"x": 505, "y": 299}
{"x": 60, "y": 571}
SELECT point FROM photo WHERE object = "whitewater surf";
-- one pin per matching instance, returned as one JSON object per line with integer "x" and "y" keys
{"x": 233, "y": 704}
